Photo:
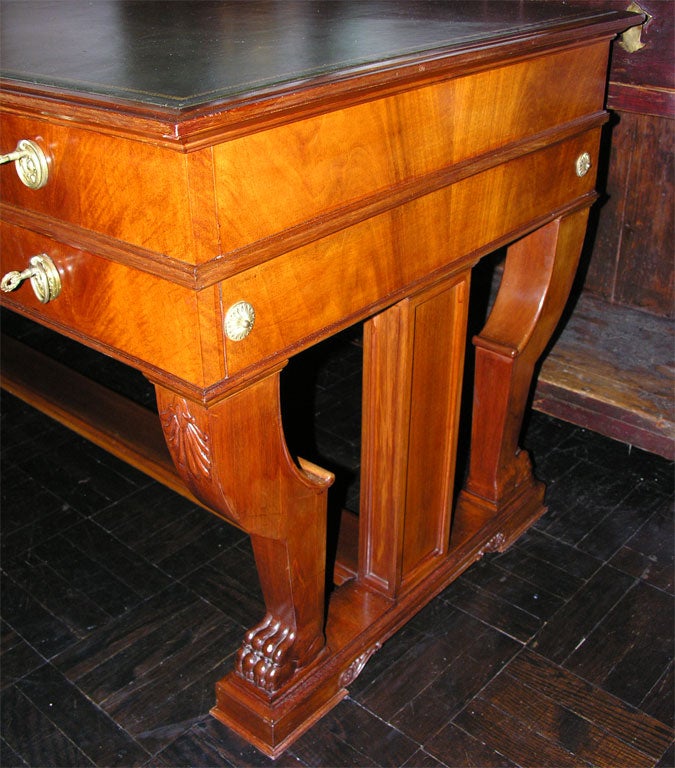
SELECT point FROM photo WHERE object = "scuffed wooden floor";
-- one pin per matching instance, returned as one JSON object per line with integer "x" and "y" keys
{"x": 122, "y": 604}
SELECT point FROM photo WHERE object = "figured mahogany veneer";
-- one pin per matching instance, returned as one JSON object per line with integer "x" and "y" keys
{"x": 355, "y": 172}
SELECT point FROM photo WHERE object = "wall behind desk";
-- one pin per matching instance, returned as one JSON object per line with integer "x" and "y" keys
{"x": 630, "y": 259}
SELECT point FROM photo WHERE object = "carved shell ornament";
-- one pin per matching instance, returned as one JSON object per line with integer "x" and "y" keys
{"x": 356, "y": 667}
{"x": 188, "y": 444}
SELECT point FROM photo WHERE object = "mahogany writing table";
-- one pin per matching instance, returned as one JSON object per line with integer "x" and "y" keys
{"x": 205, "y": 189}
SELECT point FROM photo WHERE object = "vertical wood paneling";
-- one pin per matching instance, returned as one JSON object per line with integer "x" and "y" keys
{"x": 632, "y": 251}
{"x": 645, "y": 265}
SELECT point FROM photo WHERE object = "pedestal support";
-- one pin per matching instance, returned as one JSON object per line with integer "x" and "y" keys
{"x": 233, "y": 456}
{"x": 295, "y": 664}
{"x": 537, "y": 279}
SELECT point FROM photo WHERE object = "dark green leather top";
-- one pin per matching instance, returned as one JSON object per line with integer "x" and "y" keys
{"x": 180, "y": 54}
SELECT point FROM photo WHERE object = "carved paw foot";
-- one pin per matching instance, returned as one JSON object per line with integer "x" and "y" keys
{"x": 265, "y": 657}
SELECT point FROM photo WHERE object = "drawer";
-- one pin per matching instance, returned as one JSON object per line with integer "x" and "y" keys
{"x": 128, "y": 190}
{"x": 353, "y": 273}
{"x": 137, "y": 317}
{"x": 295, "y": 175}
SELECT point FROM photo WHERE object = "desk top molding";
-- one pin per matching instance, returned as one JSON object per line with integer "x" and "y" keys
{"x": 194, "y": 84}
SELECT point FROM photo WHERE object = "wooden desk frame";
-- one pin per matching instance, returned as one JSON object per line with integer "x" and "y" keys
{"x": 272, "y": 698}
{"x": 223, "y": 428}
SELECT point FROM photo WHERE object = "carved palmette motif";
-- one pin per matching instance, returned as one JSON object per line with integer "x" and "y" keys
{"x": 188, "y": 444}
{"x": 496, "y": 544}
{"x": 356, "y": 667}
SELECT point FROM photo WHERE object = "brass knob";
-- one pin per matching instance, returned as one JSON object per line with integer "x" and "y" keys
{"x": 43, "y": 276}
{"x": 239, "y": 321}
{"x": 583, "y": 164}
{"x": 31, "y": 163}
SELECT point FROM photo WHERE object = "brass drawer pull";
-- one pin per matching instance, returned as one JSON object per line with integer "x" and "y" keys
{"x": 43, "y": 276}
{"x": 31, "y": 163}
{"x": 583, "y": 164}
{"x": 239, "y": 321}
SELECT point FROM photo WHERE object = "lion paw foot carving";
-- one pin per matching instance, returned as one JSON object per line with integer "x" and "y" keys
{"x": 264, "y": 658}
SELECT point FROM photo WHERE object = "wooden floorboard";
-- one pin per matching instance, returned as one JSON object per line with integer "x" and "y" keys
{"x": 562, "y": 725}
{"x": 122, "y": 604}
{"x": 592, "y": 703}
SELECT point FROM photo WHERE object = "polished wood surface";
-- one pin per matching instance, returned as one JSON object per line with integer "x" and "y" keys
{"x": 180, "y": 587}
{"x": 611, "y": 371}
{"x": 361, "y": 190}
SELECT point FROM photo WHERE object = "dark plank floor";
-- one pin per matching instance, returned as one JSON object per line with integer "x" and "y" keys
{"x": 122, "y": 604}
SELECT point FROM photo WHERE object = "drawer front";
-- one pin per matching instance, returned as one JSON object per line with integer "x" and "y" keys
{"x": 128, "y": 190}
{"x": 139, "y": 318}
{"x": 307, "y": 292}
{"x": 295, "y": 175}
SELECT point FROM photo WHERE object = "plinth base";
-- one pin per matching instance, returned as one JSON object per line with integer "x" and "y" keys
{"x": 271, "y": 726}
{"x": 360, "y": 620}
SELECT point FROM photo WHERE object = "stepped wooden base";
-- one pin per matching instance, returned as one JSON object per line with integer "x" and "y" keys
{"x": 366, "y": 194}
{"x": 272, "y": 726}
{"x": 475, "y": 516}
{"x": 360, "y": 621}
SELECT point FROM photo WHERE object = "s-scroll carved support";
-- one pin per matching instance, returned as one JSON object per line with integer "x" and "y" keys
{"x": 537, "y": 279}
{"x": 233, "y": 456}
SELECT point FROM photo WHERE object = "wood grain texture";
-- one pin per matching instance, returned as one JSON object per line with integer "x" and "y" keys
{"x": 643, "y": 83}
{"x": 294, "y": 174}
{"x": 611, "y": 370}
{"x": 625, "y": 389}
{"x": 203, "y": 97}
{"x": 135, "y": 316}
{"x": 644, "y": 276}
{"x": 631, "y": 261}
{"x": 87, "y": 173}
{"x": 526, "y": 310}
{"x": 584, "y": 739}
{"x": 95, "y": 412}
{"x": 365, "y": 190}
{"x": 406, "y": 523}
{"x": 488, "y": 209}
{"x": 648, "y": 736}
